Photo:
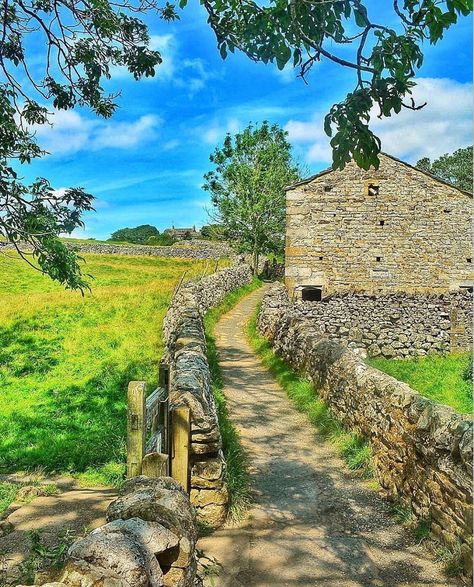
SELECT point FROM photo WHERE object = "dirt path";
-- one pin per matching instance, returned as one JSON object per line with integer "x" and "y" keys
{"x": 313, "y": 522}
{"x": 73, "y": 510}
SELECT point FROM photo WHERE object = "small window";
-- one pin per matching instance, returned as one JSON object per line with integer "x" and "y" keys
{"x": 320, "y": 258}
{"x": 469, "y": 260}
{"x": 327, "y": 188}
{"x": 382, "y": 222}
{"x": 311, "y": 294}
{"x": 446, "y": 211}
{"x": 373, "y": 189}
{"x": 378, "y": 259}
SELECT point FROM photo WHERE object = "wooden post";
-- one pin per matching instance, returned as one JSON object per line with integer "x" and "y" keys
{"x": 135, "y": 427}
{"x": 164, "y": 382}
{"x": 180, "y": 445}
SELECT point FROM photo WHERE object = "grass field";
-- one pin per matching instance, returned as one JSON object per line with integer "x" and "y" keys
{"x": 65, "y": 360}
{"x": 441, "y": 378}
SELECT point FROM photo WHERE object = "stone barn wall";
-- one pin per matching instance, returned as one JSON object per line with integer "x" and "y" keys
{"x": 393, "y": 324}
{"x": 190, "y": 385}
{"x": 391, "y": 229}
{"x": 422, "y": 450}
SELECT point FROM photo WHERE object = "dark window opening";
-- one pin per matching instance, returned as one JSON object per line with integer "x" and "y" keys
{"x": 373, "y": 190}
{"x": 446, "y": 211}
{"x": 382, "y": 222}
{"x": 469, "y": 260}
{"x": 311, "y": 294}
{"x": 321, "y": 258}
{"x": 378, "y": 259}
{"x": 327, "y": 188}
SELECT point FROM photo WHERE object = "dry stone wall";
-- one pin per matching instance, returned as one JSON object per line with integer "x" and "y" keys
{"x": 149, "y": 541}
{"x": 394, "y": 324}
{"x": 192, "y": 251}
{"x": 422, "y": 450}
{"x": 190, "y": 385}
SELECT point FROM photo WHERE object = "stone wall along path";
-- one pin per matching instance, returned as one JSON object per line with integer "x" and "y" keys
{"x": 313, "y": 522}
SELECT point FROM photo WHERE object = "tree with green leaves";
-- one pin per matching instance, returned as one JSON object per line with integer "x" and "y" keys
{"x": 162, "y": 240}
{"x": 56, "y": 54}
{"x": 455, "y": 168}
{"x": 79, "y": 42}
{"x": 383, "y": 55}
{"x": 213, "y": 232}
{"x": 138, "y": 235}
{"x": 247, "y": 185}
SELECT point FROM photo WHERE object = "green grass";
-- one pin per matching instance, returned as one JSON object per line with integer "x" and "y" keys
{"x": 7, "y": 495}
{"x": 354, "y": 450}
{"x": 441, "y": 378}
{"x": 238, "y": 478}
{"x": 65, "y": 360}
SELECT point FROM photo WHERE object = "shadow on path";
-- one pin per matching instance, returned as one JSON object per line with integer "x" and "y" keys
{"x": 312, "y": 522}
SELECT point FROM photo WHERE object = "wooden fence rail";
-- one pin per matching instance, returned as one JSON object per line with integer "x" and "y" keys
{"x": 158, "y": 439}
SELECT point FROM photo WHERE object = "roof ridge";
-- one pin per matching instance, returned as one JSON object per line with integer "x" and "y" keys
{"x": 430, "y": 175}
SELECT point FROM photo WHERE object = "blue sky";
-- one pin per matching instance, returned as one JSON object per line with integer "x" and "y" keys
{"x": 146, "y": 164}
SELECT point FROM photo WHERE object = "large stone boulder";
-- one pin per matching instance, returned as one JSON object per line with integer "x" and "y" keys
{"x": 163, "y": 501}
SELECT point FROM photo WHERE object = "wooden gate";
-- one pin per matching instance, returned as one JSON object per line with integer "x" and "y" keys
{"x": 158, "y": 439}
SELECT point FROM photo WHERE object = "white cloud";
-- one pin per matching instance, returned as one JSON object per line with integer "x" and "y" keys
{"x": 216, "y": 132}
{"x": 70, "y": 132}
{"x": 442, "y": 126}
{"x": 125, "y": 135}
{"x": 167, "y": 46}
{"x": 191, "y": 74}
{"x": 170, "y": 145}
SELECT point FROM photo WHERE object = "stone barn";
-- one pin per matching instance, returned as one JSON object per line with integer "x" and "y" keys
{"x": 395, "y": 229}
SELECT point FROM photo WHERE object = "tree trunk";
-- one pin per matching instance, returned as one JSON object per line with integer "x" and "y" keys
{"x": 255, "y": 258}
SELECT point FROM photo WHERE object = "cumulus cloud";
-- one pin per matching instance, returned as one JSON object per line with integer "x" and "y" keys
{"x": 70, "y": 132}
{"x": 216, "y": 132}
{"x": 442, "y": 126}
{"x": 191, "y": 74}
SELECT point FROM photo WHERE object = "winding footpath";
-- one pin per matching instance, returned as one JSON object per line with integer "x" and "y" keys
{"x": 313, "y": 522}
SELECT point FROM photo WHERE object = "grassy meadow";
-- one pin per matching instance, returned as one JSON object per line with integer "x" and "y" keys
{"x": 442, "y": 378}
{"x": 65, "y": 360}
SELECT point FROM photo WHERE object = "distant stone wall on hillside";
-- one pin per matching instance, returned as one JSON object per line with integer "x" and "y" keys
{"x": 393, "y": 324}
{"x": 422, "y": 450}
{"x": 200, "y": 251}
{"x": 190, "y": 385}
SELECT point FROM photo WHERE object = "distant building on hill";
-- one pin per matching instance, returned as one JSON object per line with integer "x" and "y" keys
{"x": 396, "y": 228}
{"x": 183, "y": 233}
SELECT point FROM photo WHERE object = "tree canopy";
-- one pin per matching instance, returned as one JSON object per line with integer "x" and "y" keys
{"x": 138, "y": 235}
{"x": 383, "y": 55}
{"x": 247, "y": 185}
{"x": 455, "y": 168}
{"x": 57, "y": 54}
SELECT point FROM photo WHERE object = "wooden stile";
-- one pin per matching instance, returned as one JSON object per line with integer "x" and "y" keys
{"x": 158, "y": 441}
{"x": 135, "y": 427}
{"x": 180, "y": 445}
